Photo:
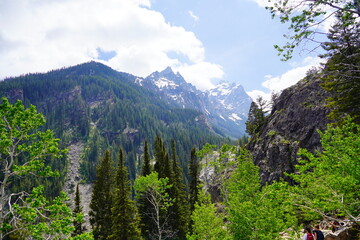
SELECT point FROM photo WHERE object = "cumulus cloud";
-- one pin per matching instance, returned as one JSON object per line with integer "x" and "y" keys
{"x": 278, "y": 83}
{"x": 258, "y": 93}
{"x": 37, "y": 36}
{"x": 198, "y": 74}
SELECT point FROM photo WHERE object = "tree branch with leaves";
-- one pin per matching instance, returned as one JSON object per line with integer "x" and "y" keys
{"x": 306, "y": 17}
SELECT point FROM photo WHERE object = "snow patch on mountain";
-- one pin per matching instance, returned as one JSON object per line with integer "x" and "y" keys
{"x": 164, "y": 82}
{"x": 222, "y": 106}
{"x": 139, "y": 81}
{"x": 235, "y": 117}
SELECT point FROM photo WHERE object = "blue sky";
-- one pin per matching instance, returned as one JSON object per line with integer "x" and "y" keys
{"x": 205, "y": 40}
{"x": 239, "y": 35}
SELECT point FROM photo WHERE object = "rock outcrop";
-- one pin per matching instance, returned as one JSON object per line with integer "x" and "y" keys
{"x": 297, "y": 115}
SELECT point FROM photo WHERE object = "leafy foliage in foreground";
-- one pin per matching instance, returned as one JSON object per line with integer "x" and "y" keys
{"x": 207, "y": 223}
{"x": 23, "y": 152}
{"x": 305, "y": 18}
{"x": 329, "y": 181}
{"x": 256, "y": 212}
{"x": 155, "y": 191}
{"x": 328, "y": 188}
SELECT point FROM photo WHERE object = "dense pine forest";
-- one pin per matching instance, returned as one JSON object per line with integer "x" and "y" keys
{"x": 160, "y": 172}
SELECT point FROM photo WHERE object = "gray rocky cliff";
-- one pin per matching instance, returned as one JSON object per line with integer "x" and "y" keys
{"x": 297, "y": 115}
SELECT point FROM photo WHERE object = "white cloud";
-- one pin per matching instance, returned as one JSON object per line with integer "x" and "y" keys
{"x": 292, "y": 76}
{"x": 200, "y": 74}
{"x": 193, "y": 16}
{"x": 37, "y": 36}
{"x": 287, "y": 79}
{"x": 261, "y": 3}
{"x": 256, "y": 93}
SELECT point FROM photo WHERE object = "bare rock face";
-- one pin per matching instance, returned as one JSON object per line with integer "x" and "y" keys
{"x": 209, "y": 176}
{"x": 73, "y": 178}
{"x": 297, "y": 114}
{"x": 73, "y": 174}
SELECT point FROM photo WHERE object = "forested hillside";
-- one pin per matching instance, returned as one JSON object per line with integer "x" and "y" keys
{"x": 159, "y": 172}
{"x": 104, "y": 109}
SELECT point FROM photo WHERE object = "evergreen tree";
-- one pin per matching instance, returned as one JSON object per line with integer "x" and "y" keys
{"x": 168, "y": 171}
{"x": 160, "y": 157}
{"x": 180, "y": 209}
{"x": 256, "y": 118}
{"x": 194, "y": 182}
{"x": 101, "y": 201}
{"x": 78, "y": 214}
{"x": 146, "y": 168}
{"x": 342, "y": 71}
{"x": 143, "y": 204}
{"x": 125, "y": 221}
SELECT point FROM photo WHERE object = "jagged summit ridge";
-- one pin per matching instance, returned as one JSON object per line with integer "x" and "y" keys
{"x": 167, "y": 77}
{"x": 226, "y": 105}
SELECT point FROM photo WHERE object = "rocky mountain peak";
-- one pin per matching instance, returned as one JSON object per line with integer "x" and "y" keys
{"x": 225, "y": 106}
{"x": 168, "y": 70}
{"x": 166, "y": 78}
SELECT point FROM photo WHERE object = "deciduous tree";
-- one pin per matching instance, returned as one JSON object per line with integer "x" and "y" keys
{"x": 329, "y": 181}
{"x": 306, "y": 17}
{"x": 155, "y": 191}
{"x": 207, "y": 222}
{"x": 256, "y": 212}
{"x": 23, "y": 151}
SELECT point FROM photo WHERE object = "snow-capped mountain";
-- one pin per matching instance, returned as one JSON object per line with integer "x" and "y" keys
{"x": 226, "y": 106}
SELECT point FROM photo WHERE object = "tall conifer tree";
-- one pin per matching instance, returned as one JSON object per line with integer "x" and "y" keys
{"x": 143, "y": 204}
{"x": 161, "y": 163}
{"x": 146, "y": 168}
{"x": 180, "y": 209}
{"x": 194, "y": 182}
{"x": 341, "y": 74}
{"x": 77, "y": 212}
{"x": 101, "y": 201}
{"x": 125, "y": 220}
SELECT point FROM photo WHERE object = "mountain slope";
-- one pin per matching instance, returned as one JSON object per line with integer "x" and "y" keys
{"x": 103, "y": 108}
{"x": 225, "y": 106}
